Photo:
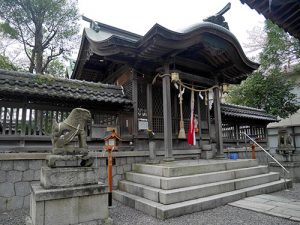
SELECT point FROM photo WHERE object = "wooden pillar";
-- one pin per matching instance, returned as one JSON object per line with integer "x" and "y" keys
{"x": 218, "y": 123}
{"x": 149, "y": 106}
{"x": 135, "y": 103}
{"x": 167, "y": 115}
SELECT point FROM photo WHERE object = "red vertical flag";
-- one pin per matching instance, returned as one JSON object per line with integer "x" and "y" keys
{"x": 191, "y": 132}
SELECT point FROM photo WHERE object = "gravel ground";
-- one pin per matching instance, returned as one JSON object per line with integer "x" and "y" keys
{"x": 123, "y": 215}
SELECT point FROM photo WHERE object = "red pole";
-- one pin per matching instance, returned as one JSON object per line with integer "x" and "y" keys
{"x": 109, "y": 175}
{"x": 253, "y": 151}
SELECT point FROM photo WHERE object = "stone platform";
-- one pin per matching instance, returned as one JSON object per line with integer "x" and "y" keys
{"x": 173, "y": 189}
{"x": 84, "y": 205}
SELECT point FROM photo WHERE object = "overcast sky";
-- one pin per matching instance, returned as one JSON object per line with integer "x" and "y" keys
{"x": 139, "y": 16}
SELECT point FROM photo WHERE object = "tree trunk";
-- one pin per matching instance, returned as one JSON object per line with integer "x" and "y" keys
{"x": 39, "y": 49}
{"x": 32, "y": 60}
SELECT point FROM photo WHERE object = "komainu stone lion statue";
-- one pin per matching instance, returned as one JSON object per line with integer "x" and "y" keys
{"x": 64, "y": 132}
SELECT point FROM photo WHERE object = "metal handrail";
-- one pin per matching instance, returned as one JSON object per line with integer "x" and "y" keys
{"x": 267, "y": 153}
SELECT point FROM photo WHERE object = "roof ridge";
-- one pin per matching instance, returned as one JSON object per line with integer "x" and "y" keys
{"x": 18, "y": 74}
{"x": 243, "y": 107}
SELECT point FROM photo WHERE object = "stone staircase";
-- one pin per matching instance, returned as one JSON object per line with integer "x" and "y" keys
{"x": 181, "y": 187}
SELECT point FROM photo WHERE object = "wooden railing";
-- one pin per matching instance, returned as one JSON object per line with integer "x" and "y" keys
{"x": 232, "y": 132}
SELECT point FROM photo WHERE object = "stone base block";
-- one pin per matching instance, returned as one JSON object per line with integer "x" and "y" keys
{"x": 84, "y": 205}
{"x": 206, "y": 154}
{"x": 67, "y": 177}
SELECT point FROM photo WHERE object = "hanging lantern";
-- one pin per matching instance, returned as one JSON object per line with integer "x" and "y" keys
{"x": 174, "y": 76}
{"x": 225, "y": 88}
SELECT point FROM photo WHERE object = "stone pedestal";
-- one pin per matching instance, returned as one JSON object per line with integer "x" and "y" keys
{"x": 68, "y": 196}
{"x": 207, "y": 152}
{"x": 82, "y": 205}
{"x": 67, "y": 176}
{"x": 291, "y": 163}
{"x": 152, "y": 153}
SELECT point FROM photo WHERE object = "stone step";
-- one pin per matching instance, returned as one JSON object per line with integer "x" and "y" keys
{"x": 183, "y": 169}
{"x": 173, "y": 210}
{"x": 167, "y": 183}
{"x": 192, "y": 192}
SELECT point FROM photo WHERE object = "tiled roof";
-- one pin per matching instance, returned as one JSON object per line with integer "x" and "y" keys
{"x": 19, "y": 83}
{"x": 246, "y": 112}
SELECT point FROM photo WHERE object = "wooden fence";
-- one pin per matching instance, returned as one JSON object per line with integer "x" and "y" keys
{"x": 24, "y": 125}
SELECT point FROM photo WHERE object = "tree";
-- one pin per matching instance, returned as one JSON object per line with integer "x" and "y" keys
{"x": 268, "y": 88}
{"x": 271, "y": 93}
{"x": 45, "y": 28}
{"x": 279, "y": 48}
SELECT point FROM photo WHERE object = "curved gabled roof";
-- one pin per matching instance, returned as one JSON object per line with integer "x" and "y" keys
{"x": 205, "y": 44}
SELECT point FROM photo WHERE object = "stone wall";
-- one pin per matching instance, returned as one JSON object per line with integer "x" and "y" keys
{"x": 16, "y": 176}
{"x": 19, "y": 170}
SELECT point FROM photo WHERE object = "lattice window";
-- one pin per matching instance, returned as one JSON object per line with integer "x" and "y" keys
{"x": 157, "y": 105}
{"x": 142, "y": 100}
{"x": 157, "y": 101}
{"x": 105, "y": 119}
{"x": 128, "y": 89}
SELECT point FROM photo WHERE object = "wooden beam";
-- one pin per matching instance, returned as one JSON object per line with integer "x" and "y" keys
{"x": 193, "y": 64}
{"x": 195, "y": 78}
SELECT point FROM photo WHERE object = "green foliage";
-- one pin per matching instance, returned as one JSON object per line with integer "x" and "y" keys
{"x": 8, "y": 30}
{"x": 269, "y": 87}
{"x": 6, "y": 64}
{"x": 45, "y": 28}
{"x": 279, "y": 48}
{"x": 271, "y": 93}
{"x": 43, "y": 79}
{"x": 56, "y": 68}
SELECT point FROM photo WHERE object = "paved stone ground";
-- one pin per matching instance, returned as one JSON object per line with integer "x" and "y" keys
{"x": 123, "y": 215}
{"x": 284, "y": 204}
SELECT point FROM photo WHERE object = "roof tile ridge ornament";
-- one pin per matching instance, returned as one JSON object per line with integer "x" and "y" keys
{"x": 93, "y": 24}
{"x": 218, "y": 18}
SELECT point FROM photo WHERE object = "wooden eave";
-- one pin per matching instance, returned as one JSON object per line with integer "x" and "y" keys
{"x": 286, "y": 14}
